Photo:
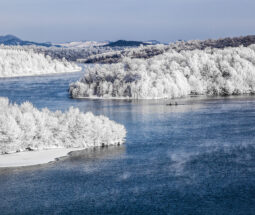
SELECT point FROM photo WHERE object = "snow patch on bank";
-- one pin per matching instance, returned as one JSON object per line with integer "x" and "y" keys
{"x": 24, "y": 127}
{"x": 16, "y": 62}
{"x": 229, "y": 71}
{"x": 33, "y": 158}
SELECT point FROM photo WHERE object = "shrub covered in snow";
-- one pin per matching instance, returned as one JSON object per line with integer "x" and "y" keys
{"x": 17, "y": 62}
{"x": 172, "y": 74}
{"x": 23, "y": 127}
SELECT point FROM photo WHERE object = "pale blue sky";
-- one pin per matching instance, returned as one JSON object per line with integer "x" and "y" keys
{"x": 164, "y": 20}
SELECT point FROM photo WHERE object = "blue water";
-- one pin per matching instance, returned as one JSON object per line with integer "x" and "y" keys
{"x": 194, "y": 158}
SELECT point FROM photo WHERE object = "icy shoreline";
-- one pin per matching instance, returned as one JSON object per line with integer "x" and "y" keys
{"x": 31, "y": 158}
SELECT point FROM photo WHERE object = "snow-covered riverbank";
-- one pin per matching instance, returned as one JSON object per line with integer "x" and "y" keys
{"x": 30, "y": 158}
{"x": 24, "y": 128}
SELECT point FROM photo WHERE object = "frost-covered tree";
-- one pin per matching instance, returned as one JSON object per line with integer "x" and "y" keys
{"x": 24, "y": 127}
{"x": 146, "y": 52}
{"x": 18, "y": 62}
{"x": 228, "y": 71}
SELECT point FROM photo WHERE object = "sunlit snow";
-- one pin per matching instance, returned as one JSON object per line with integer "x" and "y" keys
{"x": 24, "y": 127}
{"x": 17, "y": 62}
{"x": 228, "y": 71}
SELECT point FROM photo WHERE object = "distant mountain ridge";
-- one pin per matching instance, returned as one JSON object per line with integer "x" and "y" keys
{"x": 11, "y": 40}
{"x": 120, "y": 43}
{"x": 82, "y": 44}
{"x": 8, "y": 38}
{"x": 111, "y": 44}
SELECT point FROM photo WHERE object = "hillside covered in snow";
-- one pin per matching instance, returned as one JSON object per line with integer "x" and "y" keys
{"x": 146, "y": 52}
{"x": 24, "y": 127}
{"x": 228, "y": 71}
{"x": 18, "y": 62}
{"x": 78, "y": 51}
{"x": 12, "y": 40}
{"x": 82, "y": 44}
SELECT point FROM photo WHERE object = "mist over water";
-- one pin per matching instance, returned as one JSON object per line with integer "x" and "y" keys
{"x": 197, "y": 157}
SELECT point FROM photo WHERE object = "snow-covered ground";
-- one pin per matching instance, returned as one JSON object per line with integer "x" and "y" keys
{"x": 82, "y": 44}
{"x": 16, "y": 62}
{"x": 228, "y": 71}
{"x": 29, "y": 158}
{"x": 24, "y": 127}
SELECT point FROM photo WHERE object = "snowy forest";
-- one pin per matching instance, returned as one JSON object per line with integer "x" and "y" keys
{"x": 173, "y": 74}
{"x": 153, "y": 50}
{"x": 24, "y": 127}
{"x": 19, "y": 62}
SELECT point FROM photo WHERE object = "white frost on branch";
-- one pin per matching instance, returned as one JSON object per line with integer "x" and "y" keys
{"x": 24, "y": 127}
{"x": 16, "y": 62}
{"x": 228, "y": 71}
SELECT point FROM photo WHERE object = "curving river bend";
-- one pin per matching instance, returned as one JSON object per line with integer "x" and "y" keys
{"x": 194, "y": 158}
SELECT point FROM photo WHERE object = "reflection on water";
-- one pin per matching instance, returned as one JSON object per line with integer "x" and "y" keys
{"x": 80, "y": 157}
{"x": 94, "y": 154}
{"x": 196, "y": 157}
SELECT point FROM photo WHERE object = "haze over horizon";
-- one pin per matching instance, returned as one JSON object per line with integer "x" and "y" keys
{"x": 164, "y": 20}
